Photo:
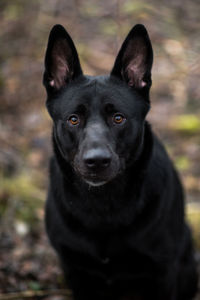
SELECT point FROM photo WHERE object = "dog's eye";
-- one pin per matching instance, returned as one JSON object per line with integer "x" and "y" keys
{"x": 118, "y": 118}
{"x": 74, "y": 120}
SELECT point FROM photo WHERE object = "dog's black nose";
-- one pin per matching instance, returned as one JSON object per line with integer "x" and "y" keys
{"x": 97, "y": 158}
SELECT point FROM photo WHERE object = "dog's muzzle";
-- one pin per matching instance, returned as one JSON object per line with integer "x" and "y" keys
{"x": 97, "y": 159}
{"x": 97, "y": 166}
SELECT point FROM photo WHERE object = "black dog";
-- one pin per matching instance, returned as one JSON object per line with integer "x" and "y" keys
{"x": 115, "y": 209}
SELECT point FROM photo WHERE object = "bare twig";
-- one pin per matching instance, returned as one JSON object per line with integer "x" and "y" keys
{"x": 36, "y": 294}
{"x": 118, "y": 21}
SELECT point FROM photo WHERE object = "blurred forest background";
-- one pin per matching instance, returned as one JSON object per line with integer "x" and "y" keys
{"x": 27, "y": 262}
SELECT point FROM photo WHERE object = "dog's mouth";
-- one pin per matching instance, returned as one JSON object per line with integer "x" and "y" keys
{"x": 95, "y": 179}
{"x": 95, "y": 183}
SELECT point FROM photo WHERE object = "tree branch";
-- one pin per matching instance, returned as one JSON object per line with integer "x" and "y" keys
{"x": 38, "y": 294}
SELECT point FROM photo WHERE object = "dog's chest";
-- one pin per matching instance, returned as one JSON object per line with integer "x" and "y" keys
{"x": 112, "y": 259}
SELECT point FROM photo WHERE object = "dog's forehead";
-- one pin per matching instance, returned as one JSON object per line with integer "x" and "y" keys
{"x": 105, "y": 90}
{"x": 96, "y": 92}
{"x": 99, "y": 90}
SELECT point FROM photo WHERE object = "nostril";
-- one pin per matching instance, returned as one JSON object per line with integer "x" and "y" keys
{"x": 105, "y": 162}
{"x": 97, "y": 159}
{"x": 97, "y": 162}
{"x": 90, "y": 162}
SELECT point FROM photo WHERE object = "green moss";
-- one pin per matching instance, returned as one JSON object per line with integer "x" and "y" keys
{"x": 26, "y": 194}
{"x": 109, "y": 27}
{"x": 34, "y": 285}
{"x": 21, "y": 186}
{"x": 13, "y": 11}
{"x": 193, "y": 217}
{"x": 188, "y": 123}
{"x": 182, "y": 163}
{"x": 131, "y": 7}
{"x": 90, "y": 9}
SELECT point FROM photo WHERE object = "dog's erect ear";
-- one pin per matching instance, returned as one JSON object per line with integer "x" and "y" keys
{"x": 61, "y": 61}
{"x": 134, "y": 61}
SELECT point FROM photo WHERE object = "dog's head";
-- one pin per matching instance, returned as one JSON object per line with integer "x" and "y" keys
{"x": 98, "y": 121}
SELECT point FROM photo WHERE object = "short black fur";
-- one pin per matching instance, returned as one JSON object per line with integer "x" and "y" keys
{"x": 115, "y": 208}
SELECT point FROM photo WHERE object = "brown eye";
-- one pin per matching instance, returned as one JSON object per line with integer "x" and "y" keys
{"x": 74, "y": 120}
{"x": 118, "y": 118}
